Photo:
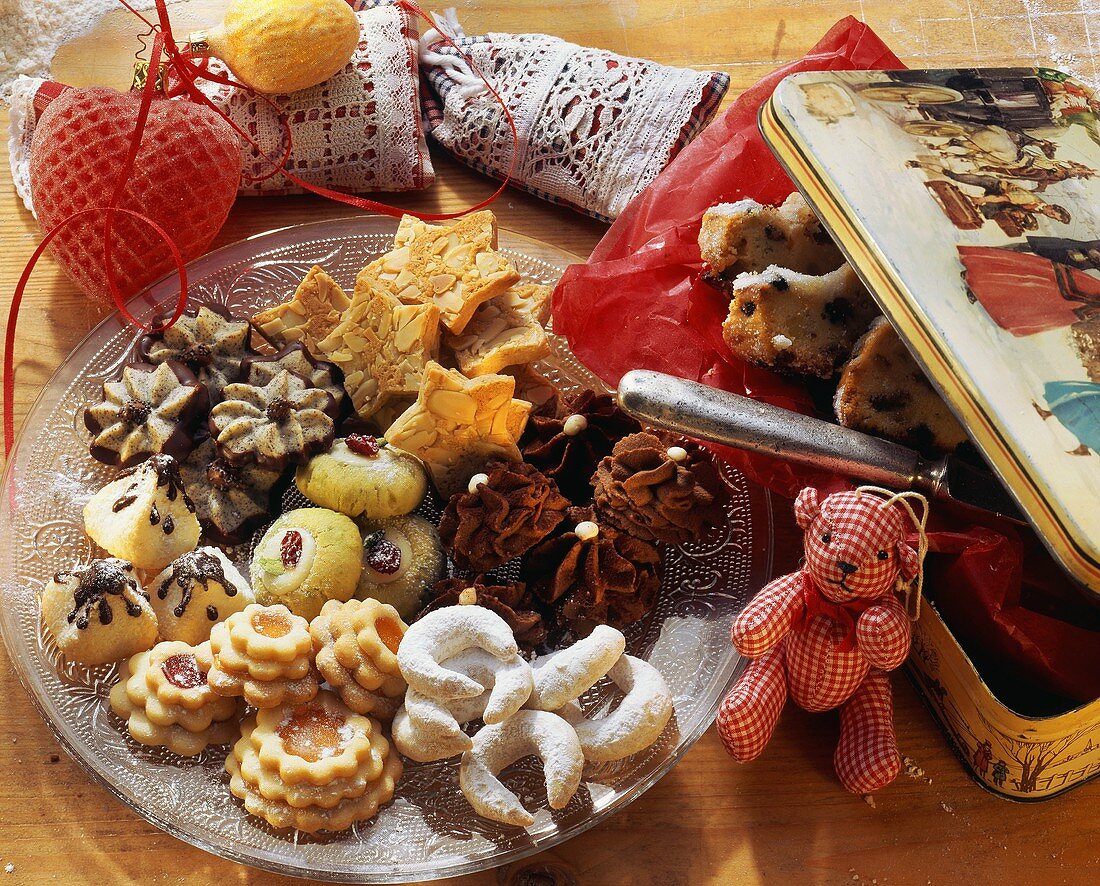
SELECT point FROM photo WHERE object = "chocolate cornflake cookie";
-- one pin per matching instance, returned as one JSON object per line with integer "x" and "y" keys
{"x": 259, "y": 370}
{"x": 209, "y": 341}
{"x": 229, "y": 501}
{"x": 883, "y": 391}
{"x": 284, "y": 422}
{"x": 150, "y": 410}
{"x": 794, "y": 322}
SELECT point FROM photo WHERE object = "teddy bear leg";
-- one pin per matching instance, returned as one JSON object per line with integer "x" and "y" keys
{"x": 747, "y": 716}
{"x": 866, "y": 757}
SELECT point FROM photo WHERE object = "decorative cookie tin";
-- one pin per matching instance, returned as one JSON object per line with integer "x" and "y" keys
{"x": 969, "y": 202}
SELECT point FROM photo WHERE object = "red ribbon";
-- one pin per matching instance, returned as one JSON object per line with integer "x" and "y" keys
{"x": 188, "y": 71}
{"x": 814, "y": 603}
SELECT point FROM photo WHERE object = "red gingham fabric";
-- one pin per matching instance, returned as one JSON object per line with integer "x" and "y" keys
{"x": 866, "y": 757}
{"x": 855, "y": 548}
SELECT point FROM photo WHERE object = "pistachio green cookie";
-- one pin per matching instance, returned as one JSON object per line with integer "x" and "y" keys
{"x": 307, "y": 557}
{"x": 401, "y": 557}
{"x": 362, "y": 476}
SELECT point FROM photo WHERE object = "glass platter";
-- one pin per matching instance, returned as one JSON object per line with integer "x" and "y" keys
{"x": 429, "y": 830}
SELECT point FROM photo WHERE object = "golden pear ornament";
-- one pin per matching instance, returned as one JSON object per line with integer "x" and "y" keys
{"x": 280, "y": 46}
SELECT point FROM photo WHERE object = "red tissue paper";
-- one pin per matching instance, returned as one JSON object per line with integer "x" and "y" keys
{"x": 640, "y": 303}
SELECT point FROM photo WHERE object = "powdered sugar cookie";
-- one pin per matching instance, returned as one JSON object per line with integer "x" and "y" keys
{"x": 568, "y": 673}
{"x": 529, "y": 732}
{"x": 444, "y": 634}
{"x": 635, "y": 724}
{"x": 427, "y": 744}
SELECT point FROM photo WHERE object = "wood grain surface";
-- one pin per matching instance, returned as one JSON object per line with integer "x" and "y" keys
{"x": 782, "y": 819}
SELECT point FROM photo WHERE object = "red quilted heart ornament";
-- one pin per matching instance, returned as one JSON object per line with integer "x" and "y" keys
{"x": 185, "y": 177}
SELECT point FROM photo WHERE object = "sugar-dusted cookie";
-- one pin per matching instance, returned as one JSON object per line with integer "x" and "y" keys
{"x": 151, "y": 409}
{"x": 356, "y": 652}
{"x": 453, "y": 267}
{"x": 308, "y": 556}
{"x": 797, "y": 322}
{"x": 259, "y": 370}
{"x": 505, "y": 331}
{"x": 313, "y": 766}
{"x": 230, "y": 501}
{"x": 98, "y": 613}
{"x": 284, "y": 422}
{"x": 547, "y": 736}
{"x": 263, "y": 653}
{"x": 195, "y": 592}
{"x": 745, "y": 236}
{"x": 363, "y": 476}
{"x": 567, "y": 674}
{"x": 458, "y": 424}
{"x": 401, "y": 557}
{"x": 382, "y": 347}
{"x": 166, "y": 702}
{"x": 208, "y": 340}
{"x": 310, "y": 314}
{"x": 144, "y": 516}
{"x": 883, "y": 391}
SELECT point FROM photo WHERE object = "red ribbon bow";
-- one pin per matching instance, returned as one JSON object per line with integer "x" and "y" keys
{"x": 814, "y": 603}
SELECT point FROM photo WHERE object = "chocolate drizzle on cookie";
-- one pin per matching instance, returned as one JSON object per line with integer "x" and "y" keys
{"x": 98, "y": 581}
{"x": 197, "y": 567}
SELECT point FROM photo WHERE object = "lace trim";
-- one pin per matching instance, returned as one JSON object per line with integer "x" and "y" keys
{"x": 21, "y": 122}
{"x": 595, "y": 127}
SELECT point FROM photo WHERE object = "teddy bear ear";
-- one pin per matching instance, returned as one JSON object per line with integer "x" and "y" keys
{"x": 907, "y": 561}
{"x": 806, "y": 507}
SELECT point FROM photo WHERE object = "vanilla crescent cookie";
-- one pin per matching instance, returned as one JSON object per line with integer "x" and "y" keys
{"x": 356, "y": 647}
{"x": 635, "y": 724}
{"x": 445, "y": 633}
{"x": 166, "y": 702}
{"x": 529, "y": 732}
{"x": 263, "y": 653}
{"x": 568, "y": 673}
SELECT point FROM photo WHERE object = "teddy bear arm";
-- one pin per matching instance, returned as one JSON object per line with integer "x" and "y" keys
{"x": 769, "y": 616}
{"x": 883, "y": 634}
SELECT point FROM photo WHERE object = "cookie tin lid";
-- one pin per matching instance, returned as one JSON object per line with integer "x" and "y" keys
{"x": 969, "y": 202}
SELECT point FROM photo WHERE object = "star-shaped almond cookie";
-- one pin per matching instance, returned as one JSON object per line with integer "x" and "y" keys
{"x": 454, "y": 267}
{"x": 311, "y": 313}
{"x": 382, "y": 346}
{"x": 505, "y": 331}
{"x": 457, "y": 424}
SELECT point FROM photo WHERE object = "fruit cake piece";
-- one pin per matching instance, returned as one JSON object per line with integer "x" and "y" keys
{"x": 883, "y": 391}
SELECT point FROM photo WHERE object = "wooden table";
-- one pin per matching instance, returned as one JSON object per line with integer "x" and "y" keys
{"x": 784, "y": 818}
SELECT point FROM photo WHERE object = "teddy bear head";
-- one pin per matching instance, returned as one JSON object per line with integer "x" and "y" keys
{"x": 855, "y": 543}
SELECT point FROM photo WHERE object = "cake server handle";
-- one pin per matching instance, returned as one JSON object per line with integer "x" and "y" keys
{"x": 697, "y": 410}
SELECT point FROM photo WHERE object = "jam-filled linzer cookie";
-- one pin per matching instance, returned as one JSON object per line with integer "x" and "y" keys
{"x": 284, "y": 422}
{"x": 164, "y": 698}
{"x": 363, "y": 476}
{"x": 265, "y": 654}
{"x": 356, "y": 644}
{"x": 98, "y": 613}
{"x": 595, "y": 574}
{"x": 208, "y": 341}
{"x": 311, "y": 313}
{"x": 195, "y": 592}
{"x": 458, "y": 424}
{"x": 649, "y": 490}
{"x": 401, "y": 557}
{"x": 229, "y": 501}
{"x": 151, "y": 409}
{"x": 307, "y": 557}
{"x": 258, "y": 371}
{"x": 316, "y": 766}
{"x": 506, "y": 511}
{"x": 144, "y": 516}
{"x": 567, "y": 449}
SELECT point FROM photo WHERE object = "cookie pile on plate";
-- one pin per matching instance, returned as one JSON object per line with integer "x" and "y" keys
{"x": 798, "y": 307}
{"x": 417, "y": 392}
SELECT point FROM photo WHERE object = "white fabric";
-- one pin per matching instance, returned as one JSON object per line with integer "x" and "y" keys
{"x": 358, "y": 131}
{"x": 594, "y": 127}
{"x": 21, "y": 118}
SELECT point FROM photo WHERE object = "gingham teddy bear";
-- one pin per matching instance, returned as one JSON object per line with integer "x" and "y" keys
{"x": 829, "y": 633}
